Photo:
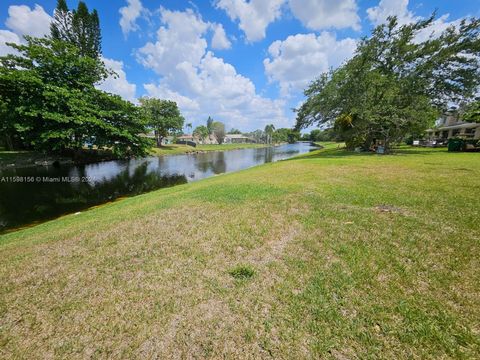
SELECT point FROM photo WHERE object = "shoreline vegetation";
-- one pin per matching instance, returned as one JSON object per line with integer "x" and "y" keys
{"x": 354, "y": 255}
{"x": 176, "y": 149}
{"x": 21, "y": 159}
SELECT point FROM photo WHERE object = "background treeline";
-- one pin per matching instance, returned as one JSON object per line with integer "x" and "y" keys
{"x": 323, "y": 135}
{"x": 400, "y": 80}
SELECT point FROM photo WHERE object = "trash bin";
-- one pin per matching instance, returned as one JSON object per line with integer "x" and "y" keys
{"x": 456, "y": 145}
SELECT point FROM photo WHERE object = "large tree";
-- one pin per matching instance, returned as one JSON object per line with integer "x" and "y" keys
{"x": 163, "y": 116}
{"x": 395, "y": 84}
{"x": 201, "y": 132}
{"x": 49, "y": 103}
{"x": 78, "y": 27}
{"x": 472, "y": 112}
{"x": 269, "y": 131}
{"x": 218, "y": 129}
{"x": 61, "y": 25}
{"x": 210, "y": 122}
{"x": 284, "y": 135}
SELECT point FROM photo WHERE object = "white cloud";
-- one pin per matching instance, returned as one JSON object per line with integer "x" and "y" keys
{"x": 436, "y": 28}
{"x": 7, "y": 37}
{"x": 215, "y": 88}
{"x": 200, "y": 82}
{"x": 323, "y": 14}
{"x": 25, "y": 21}
{"x": 296, "y": 61}
{"x": 118, "y": 84}
{"x": 399, "y": 8}
{"x": 185, "y": 103}
{"x": 253, "y": 16}
{"x": 180, "y": 40}
{"x": 130, "y": 14}
{"x": 220, "y": 40}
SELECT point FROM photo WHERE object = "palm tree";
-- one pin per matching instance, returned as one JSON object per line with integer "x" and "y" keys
{"x": 189, "y": 126}
{"x": 269, "y": 130}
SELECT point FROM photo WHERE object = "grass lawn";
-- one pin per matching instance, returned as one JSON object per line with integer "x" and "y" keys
{"x": 175, "y": 149}
{"x": 8, "y": 157}
{"x": 331, "y": 255}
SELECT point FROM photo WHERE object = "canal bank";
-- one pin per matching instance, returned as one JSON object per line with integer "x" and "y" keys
{"x": 22, "y": 159}
{"x": 36, "y": 194}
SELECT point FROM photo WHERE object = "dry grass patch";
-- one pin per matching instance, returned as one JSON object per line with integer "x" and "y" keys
{"x": 333, "y": 255}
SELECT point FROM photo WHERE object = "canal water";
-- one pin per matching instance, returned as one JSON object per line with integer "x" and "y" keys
{"x": 35, "y": 194}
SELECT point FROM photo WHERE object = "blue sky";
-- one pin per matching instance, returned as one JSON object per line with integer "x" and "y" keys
{"x": 243, "y": 62}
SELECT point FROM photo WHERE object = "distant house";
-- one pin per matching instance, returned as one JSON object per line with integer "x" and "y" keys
{"x": 151, "y": 135}
{"x": 449, "y": 126}
{"x": 237, "y": 139}
{"x": 168, "y": 140}
{"x": 185, "y": 138}
{"x": 209, "y": 140}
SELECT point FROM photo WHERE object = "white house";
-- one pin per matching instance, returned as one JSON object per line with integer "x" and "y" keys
{"x": 449, "y": 127}
{"x": 237, "y": 139}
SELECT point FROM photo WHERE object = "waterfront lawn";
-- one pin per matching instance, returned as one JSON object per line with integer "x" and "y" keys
{"x": 330, "y": 255}
{"x": 12, "y": 157}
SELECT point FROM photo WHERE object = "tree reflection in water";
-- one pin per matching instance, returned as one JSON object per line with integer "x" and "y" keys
{"x": 49, "y": 200}
{"x": 29, "y": 202}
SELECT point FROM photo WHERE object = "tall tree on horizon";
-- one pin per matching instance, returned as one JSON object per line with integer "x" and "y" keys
{"x": 210, "y": 125}
{"x": 62, "y": 22}
{"x": 269, "y": 130}
{"x": 219, "y": 131}
{"x": 78, "y": 27}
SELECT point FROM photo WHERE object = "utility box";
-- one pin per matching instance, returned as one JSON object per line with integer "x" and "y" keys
{"x": 456, "y": 145}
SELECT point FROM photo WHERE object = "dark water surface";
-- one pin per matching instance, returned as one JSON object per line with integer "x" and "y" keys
{"x": 35, "y": 194}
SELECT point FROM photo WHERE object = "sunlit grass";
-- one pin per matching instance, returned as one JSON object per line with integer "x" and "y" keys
{"x": 330, "y": 255}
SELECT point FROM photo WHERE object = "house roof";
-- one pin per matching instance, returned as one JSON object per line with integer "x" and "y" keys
{"x": 236, "y": 136}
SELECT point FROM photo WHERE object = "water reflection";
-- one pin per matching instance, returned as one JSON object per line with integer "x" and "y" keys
{"x": 24, "y": 203}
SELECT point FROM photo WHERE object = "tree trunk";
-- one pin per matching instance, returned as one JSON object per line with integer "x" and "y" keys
{"x": 9, "y": 143}
{"x": 158, "y": 138}
{"x": 387, "y": 145}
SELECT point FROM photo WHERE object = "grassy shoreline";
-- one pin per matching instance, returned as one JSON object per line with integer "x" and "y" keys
{"x": 175, "y": 149}
{"x": 328, "y": 255}
{"x": 17, "y": 159}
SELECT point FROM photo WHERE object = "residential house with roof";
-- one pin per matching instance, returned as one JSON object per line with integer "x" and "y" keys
{"x": 237, "y": 139}
{"x": 449, "y": 126}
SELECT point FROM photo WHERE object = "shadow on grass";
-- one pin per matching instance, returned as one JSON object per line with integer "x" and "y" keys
{"x": 418, "y": 151}
{"x": 342, "y": 152}
{"x": 330, "y": 153}
{"x": 172, "y": 147}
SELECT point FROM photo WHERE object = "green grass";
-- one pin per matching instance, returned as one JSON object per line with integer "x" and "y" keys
{"x": 330, "y": 255}
{"x": 8, "y": 157}
{"x": 175, "y": 149}
{"x": 242, "y": 272}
